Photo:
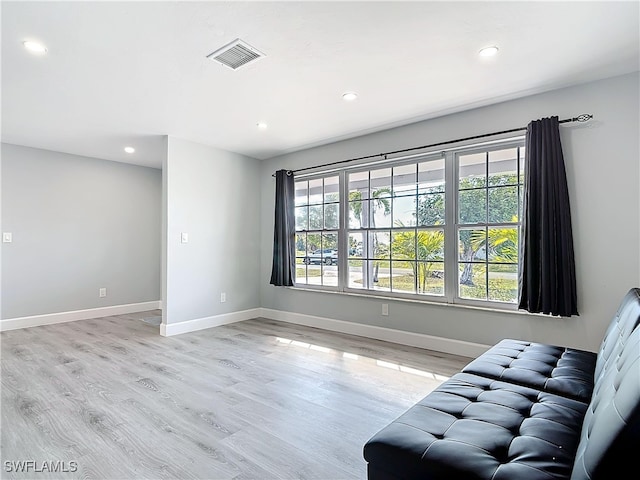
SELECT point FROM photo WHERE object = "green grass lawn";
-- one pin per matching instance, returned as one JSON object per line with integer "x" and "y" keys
{"x": 500, "y": 289}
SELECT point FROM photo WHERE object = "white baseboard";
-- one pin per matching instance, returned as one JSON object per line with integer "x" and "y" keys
{"x": 440, "y": 344}
{"x": 169, "y": 329}
{"x": 61, "y": 317}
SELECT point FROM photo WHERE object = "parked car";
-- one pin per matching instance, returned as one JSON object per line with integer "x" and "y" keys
{"x": 328, "y": 256}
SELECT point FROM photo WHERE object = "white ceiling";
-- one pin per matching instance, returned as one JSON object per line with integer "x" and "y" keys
{"x": 126, "y": 73}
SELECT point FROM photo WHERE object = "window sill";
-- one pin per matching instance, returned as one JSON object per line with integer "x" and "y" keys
{"x": 511, "y": 309}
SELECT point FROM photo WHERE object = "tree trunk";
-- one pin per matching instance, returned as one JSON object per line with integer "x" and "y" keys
{"x": 467, "y": 274}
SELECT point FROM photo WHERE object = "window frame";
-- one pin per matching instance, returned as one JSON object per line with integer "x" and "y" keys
{"x": 320, "y": 232}
{"x": 451, "y": 261}
{"x": 518, "y": 144}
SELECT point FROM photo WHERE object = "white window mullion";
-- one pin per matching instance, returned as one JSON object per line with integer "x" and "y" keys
{"x": 450, "y": 230}
{"x": 343, "y": 233}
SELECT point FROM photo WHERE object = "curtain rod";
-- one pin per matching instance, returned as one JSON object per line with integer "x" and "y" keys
{"x": 585, "y": 117}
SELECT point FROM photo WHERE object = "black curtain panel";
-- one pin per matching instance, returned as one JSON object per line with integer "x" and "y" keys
{"x": 284, "y": 255}
{"x": 548, "y": 279}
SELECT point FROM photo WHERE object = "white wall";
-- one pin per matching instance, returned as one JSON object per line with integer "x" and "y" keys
{"x": 78, "y": 224}
{"x": 602, "y": 162}
{"x": 212, "y": 195}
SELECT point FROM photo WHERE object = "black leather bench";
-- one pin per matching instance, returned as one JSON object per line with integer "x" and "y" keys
{"x": 525, "y": 410}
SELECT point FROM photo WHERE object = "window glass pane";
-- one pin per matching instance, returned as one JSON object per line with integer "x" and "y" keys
{"x": 404, "y": 180}
{"x": 380, "y": 183}
{"x": 358, "y": 185}
{"x": 315, "y": 217}
{"x": 380, "y": 244}
{"x": 302, "y": 215}
{"x": 431, "y": 209}
{"x": 301, "y": 245}
{"x": 472, "y": 245}
{"x": 314, "y": 274}
{"x": 403, "y": 245}
{"x": 503, "y": 283}
{"x": 331, "y": 189}
{"x": 503, "y": 245}
{"x": 301, "y": 271}
{"x": 404, "y": 211}
{"x": 301, "y": 193}
{"x": 472, "y": 281}
{"x": 330, "y": 244}
{"x": 315, "y": 191}
{"x": 356, "y": 245}
{"x": 403, "y": 277}
{"x": 472, "y": 170}
{"x": 313, "y": 242}
{"x": 329, "y": 275}
{"x": 357, "y": 271}
{"x": 503, "y": 167}
{"x": 381, "y": 276}
{"x": 431, "y": 176}
{"x": 331, "y": 219}
{"x": 472, "y": 206}
{"x": 431, "y": 278}
{"x": 380, "y": 215}
{"x": 503, "y": 204}
{"x": 356, "y": 217}
{"x": 430, "y": 245}
{"x": 522, "y": 152}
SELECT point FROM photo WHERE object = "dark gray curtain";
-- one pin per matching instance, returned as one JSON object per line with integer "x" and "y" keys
{"x": 284, "y": 255}
{"x": 548, "y": 279}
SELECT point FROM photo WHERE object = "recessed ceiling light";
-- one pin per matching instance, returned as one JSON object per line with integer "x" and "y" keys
{"x": 488, "y": 51}
{"x": 349, "y": 96}
{"x": 35, "y": 47}
{"x": 129, "y": 149}
{"x": 261, "y": 125}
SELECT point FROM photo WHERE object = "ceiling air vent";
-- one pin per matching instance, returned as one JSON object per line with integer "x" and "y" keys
{"x": 235, "y": 54}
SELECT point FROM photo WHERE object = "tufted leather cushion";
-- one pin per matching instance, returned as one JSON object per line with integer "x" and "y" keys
{"x": 564, "y": 371}
{"x": 473, "y": 427}
{"x": 625, "y": 321}
{"x": 610, "y": 435}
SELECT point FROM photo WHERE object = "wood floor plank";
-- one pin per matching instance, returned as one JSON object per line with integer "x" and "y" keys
{"x": 254, "y": 400}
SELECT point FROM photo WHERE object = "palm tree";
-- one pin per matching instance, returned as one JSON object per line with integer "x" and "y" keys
{"x": 502, "y": 243}
{"x": 355, "y": 204}
{"x": 367, "y": 217}
{"x": 426, "y": 247}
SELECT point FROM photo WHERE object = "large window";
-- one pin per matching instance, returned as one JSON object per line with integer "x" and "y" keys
{"x": 443, "y": 227}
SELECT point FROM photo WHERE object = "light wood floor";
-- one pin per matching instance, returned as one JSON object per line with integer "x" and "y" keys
{"x": 253, "y": 400}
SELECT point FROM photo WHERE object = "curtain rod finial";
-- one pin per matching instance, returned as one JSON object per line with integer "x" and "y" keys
{"x": 585, "y": 117}
{"x": 289, "y": 173}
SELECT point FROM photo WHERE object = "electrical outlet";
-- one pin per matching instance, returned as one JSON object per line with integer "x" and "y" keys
{"x": 102, "y": 292}
{"x": 385, "y": 309}
{"x": 223, "y": 297}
